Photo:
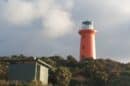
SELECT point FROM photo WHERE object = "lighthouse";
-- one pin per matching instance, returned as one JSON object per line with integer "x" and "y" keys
{"x": 87, "y": 42}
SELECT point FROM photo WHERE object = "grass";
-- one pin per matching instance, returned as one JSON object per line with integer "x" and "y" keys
{"x": 20, "y": 83}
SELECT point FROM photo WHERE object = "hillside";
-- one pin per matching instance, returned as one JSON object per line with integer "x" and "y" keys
{"x": 70, "y": 72}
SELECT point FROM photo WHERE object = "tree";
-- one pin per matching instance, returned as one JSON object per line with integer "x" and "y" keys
{"x": 18, "y": 57}
{"x": 71, "y": 59}
{"x": 3, "y": 70}
{"x": 95, "y": 72}
{"x": 63, "y": 76}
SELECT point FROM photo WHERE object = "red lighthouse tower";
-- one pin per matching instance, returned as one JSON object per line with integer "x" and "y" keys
{"x": 87, "y": 45}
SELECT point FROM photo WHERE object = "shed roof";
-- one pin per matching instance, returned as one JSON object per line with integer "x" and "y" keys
{"x": 43, "y": 63}
{"x": 27, "y": 60}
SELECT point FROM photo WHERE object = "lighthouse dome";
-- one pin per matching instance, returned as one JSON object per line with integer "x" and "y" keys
{"x": 87, "y": 25}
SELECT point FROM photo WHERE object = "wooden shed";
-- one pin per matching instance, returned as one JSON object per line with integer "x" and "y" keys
{"x": 28, "y": 70}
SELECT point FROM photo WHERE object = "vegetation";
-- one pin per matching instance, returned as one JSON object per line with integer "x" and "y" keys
{"x": 70, "y": 72}
{"x": 63, "y": 76}
{"x": 19, "y": 83}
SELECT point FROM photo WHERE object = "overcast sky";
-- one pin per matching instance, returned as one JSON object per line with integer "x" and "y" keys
{"x": 50, "y": 27}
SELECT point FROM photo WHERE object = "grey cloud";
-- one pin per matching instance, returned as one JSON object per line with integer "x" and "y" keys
{"x": 111, "y": 21}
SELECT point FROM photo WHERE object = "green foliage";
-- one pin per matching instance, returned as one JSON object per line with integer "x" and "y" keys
{"x": 3, "y": 70}
{"x": 122, "y": 80}
{"x": 20, "y": 83}
{"x": 96, "y": 72}
{"x": 70, "y": 72}
{"x": 21, "y": 56}
{"x": 63, "y": 76}
{"x": 71, "y": 59}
